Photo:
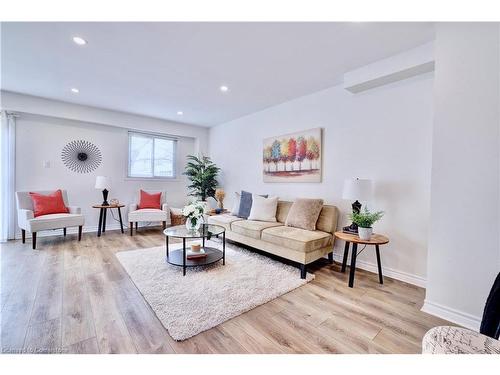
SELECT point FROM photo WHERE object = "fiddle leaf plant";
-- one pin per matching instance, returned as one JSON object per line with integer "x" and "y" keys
{"x": 366, "y": 218}
{"x": 202, "y": 174}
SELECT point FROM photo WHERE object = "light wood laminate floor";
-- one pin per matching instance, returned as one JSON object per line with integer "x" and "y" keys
{"x": 75, "y": 297}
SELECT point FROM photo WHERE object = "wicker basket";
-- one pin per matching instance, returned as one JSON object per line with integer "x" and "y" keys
{"x": 176, "y": 217}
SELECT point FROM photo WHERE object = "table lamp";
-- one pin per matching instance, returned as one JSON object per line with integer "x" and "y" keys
{"x": 356, "y": 189}
{"x": 101, "y": 182}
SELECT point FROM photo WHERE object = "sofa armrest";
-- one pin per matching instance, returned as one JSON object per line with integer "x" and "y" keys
{"x": 23, "y": 216}
{"x": 132, "y": 207}
{"x": 74, "y": 210}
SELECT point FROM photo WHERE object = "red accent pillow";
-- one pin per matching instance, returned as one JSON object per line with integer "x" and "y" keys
{"x": 48, "y": 204}
{"x": 150, "y": 200}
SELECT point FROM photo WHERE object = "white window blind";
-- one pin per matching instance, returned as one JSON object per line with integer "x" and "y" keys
{"x": 151, "y": 156}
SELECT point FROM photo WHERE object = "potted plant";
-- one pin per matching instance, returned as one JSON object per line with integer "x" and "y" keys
{"x": 202, "y": 174}
{"x": 364, "y": 220}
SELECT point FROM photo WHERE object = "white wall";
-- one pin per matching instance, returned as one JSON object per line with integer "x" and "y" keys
{"x": 41, "y": 138}
{"x": 383, "y": 134}
{"x": 463, "y": 257}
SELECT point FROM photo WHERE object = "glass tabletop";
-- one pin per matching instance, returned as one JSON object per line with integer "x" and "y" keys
{"x": 205, "y": 230}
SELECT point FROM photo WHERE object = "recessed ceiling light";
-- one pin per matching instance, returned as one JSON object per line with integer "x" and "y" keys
{"x": 80, "y": 41}
{"x": 180, "y": 113}
{"x": 224, "y": 88}
{"x": 75, "y": 90}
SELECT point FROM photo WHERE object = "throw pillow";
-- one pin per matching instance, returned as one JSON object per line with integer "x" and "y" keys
{"x": 148, "y": 200}
{"x": 48, "y": 204}
{"x": 263, "y": 209}
{"x": 246, "y": 204}
{"x": 304, "y": 213}
{"x": 236, "y": 204}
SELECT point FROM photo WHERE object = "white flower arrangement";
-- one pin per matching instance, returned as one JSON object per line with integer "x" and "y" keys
{"x": 194, "y": 210}
{"x": 194, "y": 215}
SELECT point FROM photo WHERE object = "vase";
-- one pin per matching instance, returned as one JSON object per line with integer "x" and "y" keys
{"x": 220, "y": 204}
{"x": 193, "y": 224}
{"x": 365, "y": 233}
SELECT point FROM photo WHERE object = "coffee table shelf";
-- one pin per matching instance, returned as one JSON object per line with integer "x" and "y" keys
{"x": 206, "y": 231}
{"x": 213, "y": 255}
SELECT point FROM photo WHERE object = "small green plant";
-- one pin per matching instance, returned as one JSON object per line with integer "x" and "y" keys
{"x": 366, "y": 218}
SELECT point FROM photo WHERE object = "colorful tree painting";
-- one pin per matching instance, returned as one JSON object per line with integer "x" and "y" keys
{"x": 301, "y": 150}
{"x": 313, "y": 151}
{"x": 292, "y": 150}
{"x": 267, "y": 158}
{"x": 288, "y": 153}
{"x": 276, "y": 153}
{"x": 284, "y": 152}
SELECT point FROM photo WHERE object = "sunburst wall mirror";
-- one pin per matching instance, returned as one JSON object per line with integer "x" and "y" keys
{"x": 81, "y": 156}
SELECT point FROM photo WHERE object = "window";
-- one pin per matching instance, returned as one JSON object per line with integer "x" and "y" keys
{"x": 151, "y": 156}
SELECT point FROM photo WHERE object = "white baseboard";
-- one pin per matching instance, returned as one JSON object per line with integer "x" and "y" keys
{"x": 459, "y": 317}
{"x": 387, "y": 271}
{"x": 74, "y": 230}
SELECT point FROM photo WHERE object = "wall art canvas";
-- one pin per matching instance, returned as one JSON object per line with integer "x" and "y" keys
{"x": 293, "y": 157}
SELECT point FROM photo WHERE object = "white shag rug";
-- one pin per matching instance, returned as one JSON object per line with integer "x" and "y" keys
{"x": 207, "y": 296}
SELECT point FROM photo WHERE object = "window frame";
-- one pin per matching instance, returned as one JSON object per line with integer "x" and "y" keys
{"x": 152, "y": 136}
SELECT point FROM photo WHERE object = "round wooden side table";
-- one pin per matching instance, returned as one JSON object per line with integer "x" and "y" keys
{"x": 376, "y": 239}
{"x": 102, "y": 216}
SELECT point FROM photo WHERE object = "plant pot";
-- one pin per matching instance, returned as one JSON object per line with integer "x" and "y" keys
{"x": 365, "y": 233}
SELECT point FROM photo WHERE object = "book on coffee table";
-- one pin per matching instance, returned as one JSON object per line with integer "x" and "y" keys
{"x": 195, "y": 254}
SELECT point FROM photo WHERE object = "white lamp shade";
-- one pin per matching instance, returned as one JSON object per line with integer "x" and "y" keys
{"x": 357, "y": 189}
{"x": 101, "y": 182}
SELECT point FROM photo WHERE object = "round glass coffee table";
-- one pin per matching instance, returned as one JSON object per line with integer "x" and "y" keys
{"x": 206, "y": 231}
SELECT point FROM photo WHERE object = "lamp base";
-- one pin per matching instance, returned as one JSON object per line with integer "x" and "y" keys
{"x": 105, "y": 197}
{"x": 353, "y": 228}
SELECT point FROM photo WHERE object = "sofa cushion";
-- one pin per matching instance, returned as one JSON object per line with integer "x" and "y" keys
{"x": 327, "y": 220}
{"x": 297, "y": 239}
{"x": 251, "y": 228}
{"x": 236, "y": 204}
{"x": 246, "y": 204}
{"x": 282, "y": 211}
{"x": 147, "y": 214}
{"x": 263, "y": 209}
{"x": 55, "y": 221}
{"x": 304, "y": 213}
{"x": 224, "y": 220}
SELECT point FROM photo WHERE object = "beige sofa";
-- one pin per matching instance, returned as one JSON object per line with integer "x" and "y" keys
{"x": 299, "y": 245}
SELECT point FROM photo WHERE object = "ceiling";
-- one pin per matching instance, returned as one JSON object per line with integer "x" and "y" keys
{"x": 158, "y": 69}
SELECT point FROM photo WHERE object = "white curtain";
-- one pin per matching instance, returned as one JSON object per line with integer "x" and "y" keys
{"x": 7, "y": 176}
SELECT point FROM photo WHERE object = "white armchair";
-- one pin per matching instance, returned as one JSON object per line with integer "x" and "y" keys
{"x": 149, "y": 214}
{"x": 28, "y": 222}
